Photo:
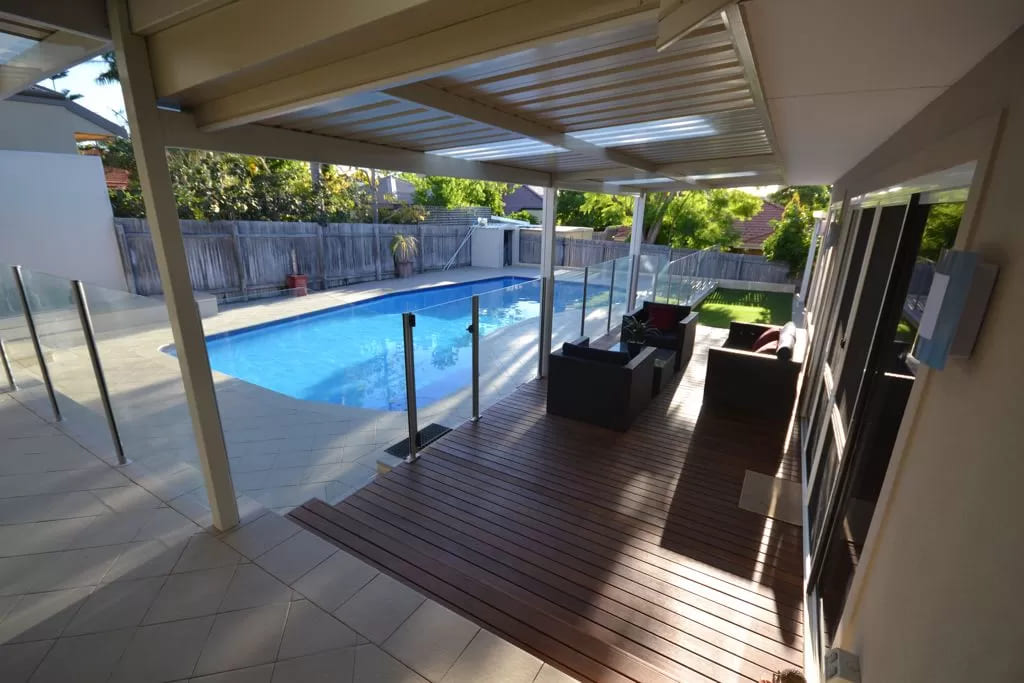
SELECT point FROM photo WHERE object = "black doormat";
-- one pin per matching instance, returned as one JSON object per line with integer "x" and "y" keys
{"x": 432, "y": 432}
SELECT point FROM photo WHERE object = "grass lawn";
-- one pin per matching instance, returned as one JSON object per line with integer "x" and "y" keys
{"x": 727, "y": 305}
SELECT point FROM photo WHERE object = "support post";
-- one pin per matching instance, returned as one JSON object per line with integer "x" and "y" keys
{"x": 419, "y": 242}
{"x": 7, "y": 367}
{"x": 162, "y": 212}
{"x": 611, "y": 299}
{"x": 583, "y": 306}
{"x": 474, "y": 329}
{"x": 547, "y": 272}
{"x": 809, "y": 262}
{"x": 636, "y": 243}
{"x": 321, "y": 255}
{"x": 30, "y": 322}
{"x": 78, "y": 290}
{"x": 409, "y": 322}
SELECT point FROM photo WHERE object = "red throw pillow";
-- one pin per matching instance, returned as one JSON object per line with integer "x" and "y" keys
{"x": 766, "y": 336}
{"x": 770, "y": 346}
{"x": 662, "y": 318}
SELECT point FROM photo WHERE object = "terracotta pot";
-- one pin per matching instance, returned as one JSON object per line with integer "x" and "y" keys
{"x": 297, "y": 283}
{"x": 403, "y": 268}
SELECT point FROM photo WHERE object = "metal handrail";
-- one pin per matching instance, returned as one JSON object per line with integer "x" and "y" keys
{"x": 44, "y": 370}
{"x": 465, "y": 239}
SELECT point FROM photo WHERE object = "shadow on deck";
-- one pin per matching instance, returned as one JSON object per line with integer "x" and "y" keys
{"x": 613, "y": 556}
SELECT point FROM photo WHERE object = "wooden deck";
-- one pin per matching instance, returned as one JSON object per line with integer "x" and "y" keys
{"x": 615, "y": 557}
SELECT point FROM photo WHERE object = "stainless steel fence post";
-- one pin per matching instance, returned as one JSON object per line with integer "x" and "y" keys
{"x": 634, "y": 284}
{"x": 409, "y": 322}
{"x": 543, "y": 326}
{"x": 611, "y": 299}
{"x": 654, "y": 287}
{"x": 583, "y": 310}
{"x": 97, "y": 368}
{"x": 474, "y": 329}
{"x": 43, "y": 369}
{"x": 7, "y": 366}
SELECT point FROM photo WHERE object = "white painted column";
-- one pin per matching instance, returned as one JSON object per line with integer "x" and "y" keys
{"x": 547, "y": 274}
{"x": 809, "y": 263}
{"x": 162, "y": 214}
{"x": 636, "y": 242}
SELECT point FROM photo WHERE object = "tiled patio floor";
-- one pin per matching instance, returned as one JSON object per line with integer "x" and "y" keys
{"x": 100, "y": 581}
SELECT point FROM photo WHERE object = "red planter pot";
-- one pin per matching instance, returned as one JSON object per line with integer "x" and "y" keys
{"x": 297, "y": 283}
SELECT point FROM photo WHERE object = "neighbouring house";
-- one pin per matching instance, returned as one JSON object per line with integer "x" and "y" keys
{"x": 392, "y": 189}
{"x": 524, "y": 198}
{"x": 47, "y": 184}
{"x": 754, "y": 232}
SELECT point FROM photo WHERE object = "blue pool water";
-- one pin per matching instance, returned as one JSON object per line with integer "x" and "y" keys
{"x": 353, "y": 354}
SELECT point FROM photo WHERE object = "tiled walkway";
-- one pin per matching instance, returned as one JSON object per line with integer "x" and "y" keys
{"x": 100, "y": 581}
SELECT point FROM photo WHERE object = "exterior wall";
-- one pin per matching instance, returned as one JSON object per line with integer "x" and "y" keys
{"x": 488, "y": 248}
{"x": 41, "y": 127}
{"x": 55, "y": 217}
{"x": 937, "y": 595}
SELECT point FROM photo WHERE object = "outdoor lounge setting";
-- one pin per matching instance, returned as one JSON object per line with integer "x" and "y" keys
{"x": 513, "y": 341}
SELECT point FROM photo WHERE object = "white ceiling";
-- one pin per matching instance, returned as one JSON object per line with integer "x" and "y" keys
{"x": 840, "y": 77}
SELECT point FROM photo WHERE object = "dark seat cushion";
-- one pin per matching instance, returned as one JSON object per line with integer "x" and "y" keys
{"x": 663, "y": 317}
{"x": 585, "y": 352}
{"x": 771, "y": 335}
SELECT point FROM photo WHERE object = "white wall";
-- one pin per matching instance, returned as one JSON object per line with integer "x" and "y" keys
{"x": 488, "y": 248}
{"x": 55, "y": 217}
{"x": 41, "y": 127}
{"x": 937, "y": 594}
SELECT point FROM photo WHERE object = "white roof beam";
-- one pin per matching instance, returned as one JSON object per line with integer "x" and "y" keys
{"x": 180, "y": 131}
{"x": 54, "y": 53}
{"x": 505, "y": 31}
{"x": 677, "y": 18}
{"x": 150, "y": 16}
{"x": 759, "y": 162}
{"x": 435, "y": 98}
{"x": 84, "y": 17}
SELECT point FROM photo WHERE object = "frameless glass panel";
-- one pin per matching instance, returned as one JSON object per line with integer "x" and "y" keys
{"x": 60, "y": 335}
{"x": 599, "y": 283}
{"x": 443, "y": 354}
{"x": 147, "y": 395}
{"x": 568, "y": 308}
{"x": 14, "y": 330}
{"x": 510, "y": 337}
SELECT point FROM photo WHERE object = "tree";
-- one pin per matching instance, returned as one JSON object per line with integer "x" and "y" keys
{"x": 791, "y": 236}
{"x": 940, "y": 229}
{"x": 701, "y": 219}
{"x": 568, "y": 211}
{"x": 63, "y": 91}
{"x": 110, "y": 76}
{"x": 812, "y": 197}
{"x": 458, "y": 192}
{"x": 524, "y": 215}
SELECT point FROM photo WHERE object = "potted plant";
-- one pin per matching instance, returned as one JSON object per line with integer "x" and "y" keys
{"x": 296, "y": 281}
{"x": 404, "y": 249}
{"x": 635, "y": 333}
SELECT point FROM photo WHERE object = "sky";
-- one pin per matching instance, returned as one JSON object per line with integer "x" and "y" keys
{"x": 107, "y": 101}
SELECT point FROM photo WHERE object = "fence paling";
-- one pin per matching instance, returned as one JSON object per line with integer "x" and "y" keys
{"x": 247, "y": 257}
{"x": 574, "y": 252}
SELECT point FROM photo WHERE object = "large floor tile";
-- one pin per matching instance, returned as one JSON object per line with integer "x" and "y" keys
{"x": 141, "y": 559}
{"x": 334, "y": 666}
{"x": 244, "y": 638}
{"x": 260, "y": 535}
{"x": 84, "y": 659}
{"x": 49, "y": 507}
{"x": 379, "y": 608}
{"x": 190, "y": 595}
{"x": 42, "y": 537}
{"x": 335, "y": 580}
{"x": 39, "y": 616}
{"x": 253, "y": 587}
{"x": 489, "y": 659}
{"x": 296, "y": 556}
{"x": 206, "y": 552}
{"x": 163, "y": 652}
{"x": 19, "y": 660}
{"x": 116, "y": 605}
{"x": 255, "y": 674}
{"x": 549, "y": 674}
{"x": 54, "y": 571}
{"x": 431, "y": 640}
{"x": 373, "y": 665}
{"x": 310, "y": 630}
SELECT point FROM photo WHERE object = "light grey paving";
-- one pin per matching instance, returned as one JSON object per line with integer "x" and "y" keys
{"x": 335, "y": 580}
{"x": 163, "y": 652}
{"x": 19, "y": 660}
{"x": 83, "y": 659}
{"x": 253, "y": 587}
{"x": 379, "y": 608}
{"x": 431, "y": 640}
{"x": 115, "y": 605}
{"x": 192, "y": 594}
{"x": 243, "y": 639}
{"x": 260, "y": 535}
{"x": 255, "y": 674}
{"x": 203, "y": 551}
{"x": 37, "y": 616}
{"x": 489, "y": 659}
{"x": 296, "y": 556}
{"x": 373, "y": 665}
{"x": 549, "y": 674}
{"x": 333, "y": 666}
{"x": 310, "y": 630}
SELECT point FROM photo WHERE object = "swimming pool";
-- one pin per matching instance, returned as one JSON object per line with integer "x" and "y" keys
{"x": 353, "y": 355}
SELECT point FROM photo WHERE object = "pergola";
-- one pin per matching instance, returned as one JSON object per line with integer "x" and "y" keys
{"x": 619, "y": 96}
